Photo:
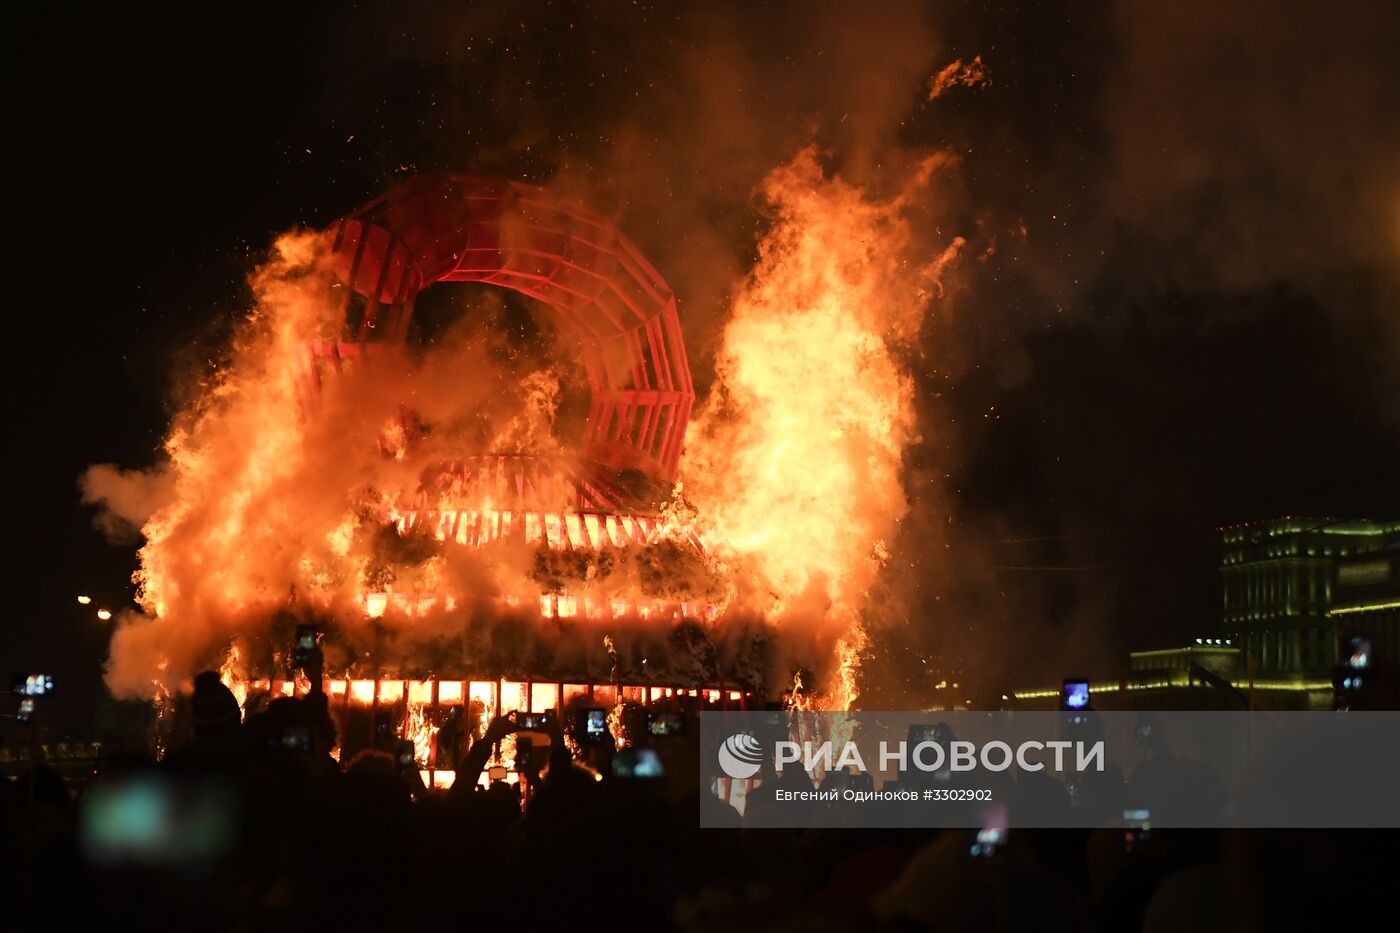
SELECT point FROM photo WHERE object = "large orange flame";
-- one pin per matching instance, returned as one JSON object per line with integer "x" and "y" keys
{"x": 796, "y": 459}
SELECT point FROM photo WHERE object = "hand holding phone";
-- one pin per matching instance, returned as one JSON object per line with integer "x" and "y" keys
{"x": 524, "y": 747}
{"x": 500, "y": 727}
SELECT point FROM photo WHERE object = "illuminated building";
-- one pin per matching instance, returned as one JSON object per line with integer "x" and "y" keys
{"x": 1295, "y": 592}
{"x": 1289, "y": 582}
{"x": 1209, "y": 674}
{"x": 1366, "y": 598}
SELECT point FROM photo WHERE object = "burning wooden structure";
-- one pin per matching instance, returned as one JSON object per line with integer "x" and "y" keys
{"x": 605, "y": 495}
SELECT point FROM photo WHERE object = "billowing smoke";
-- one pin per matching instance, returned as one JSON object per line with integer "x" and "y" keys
{"x": 268, "y": 504}
{"x": 126, "y": 498}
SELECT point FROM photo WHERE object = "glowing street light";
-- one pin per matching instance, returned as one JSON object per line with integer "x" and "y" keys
{"x": 104, "y": 614}
{"x": 84, "y": 600}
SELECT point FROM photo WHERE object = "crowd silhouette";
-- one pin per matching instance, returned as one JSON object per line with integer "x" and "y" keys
{"x": 248, "y": 824}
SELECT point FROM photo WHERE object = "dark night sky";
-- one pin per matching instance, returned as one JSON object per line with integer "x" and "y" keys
{"x": 1200, "y": 325}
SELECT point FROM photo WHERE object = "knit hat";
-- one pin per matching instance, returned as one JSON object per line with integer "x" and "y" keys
{"x": 213, "y": 704}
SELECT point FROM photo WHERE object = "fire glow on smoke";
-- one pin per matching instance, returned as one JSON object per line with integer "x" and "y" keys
{"x": 266, "y": 507}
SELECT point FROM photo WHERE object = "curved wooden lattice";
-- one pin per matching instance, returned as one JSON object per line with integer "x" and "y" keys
{"x": 458, "y": 228}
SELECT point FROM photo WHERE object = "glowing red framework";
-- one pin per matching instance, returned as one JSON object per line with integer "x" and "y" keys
{"x": 606, "y": 490}
{"x": 460, "y": 228}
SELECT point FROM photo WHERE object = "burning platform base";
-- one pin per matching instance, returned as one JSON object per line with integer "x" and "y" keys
{"x": 440, "y": 717}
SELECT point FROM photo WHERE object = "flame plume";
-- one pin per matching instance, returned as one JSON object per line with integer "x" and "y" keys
{"x": 796, "y": 458}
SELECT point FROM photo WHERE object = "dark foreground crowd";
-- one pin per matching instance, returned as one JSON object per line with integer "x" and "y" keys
{"x": 254, "y": 826}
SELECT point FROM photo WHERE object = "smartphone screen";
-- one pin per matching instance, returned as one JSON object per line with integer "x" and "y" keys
{"x": 920, "y": 732}
{"x": 158, "y": 819}
{"x": 593, "y": 725}
{"x": 33, "y": 685}
{"x": 297, "y": 738}
{"x": 990, "y": 839}
{"x": 1137, "y": 828}
{"x": 637, "y": 763}
{"x": 1075, "y": 694}
{"x": 665, "y": 723}
{"x": 304, "y": 644}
